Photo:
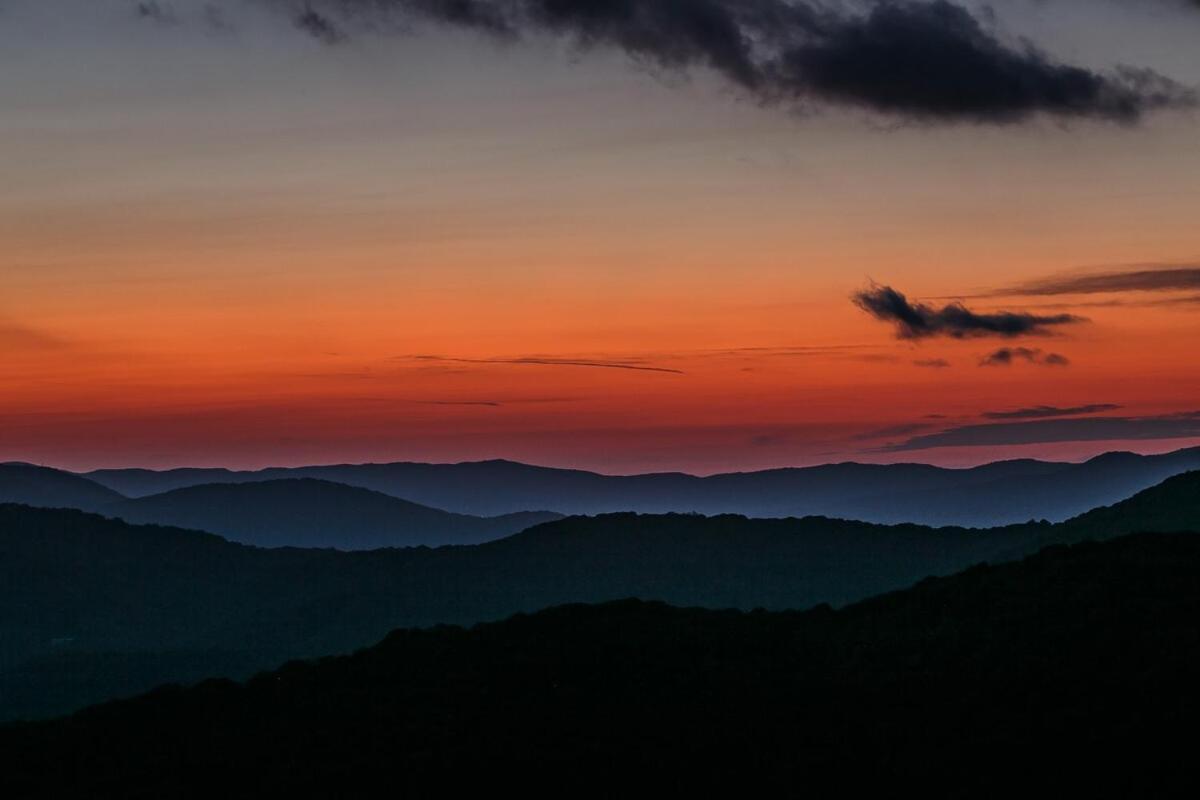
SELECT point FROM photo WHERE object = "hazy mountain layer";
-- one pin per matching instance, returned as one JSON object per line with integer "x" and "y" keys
{"x": 304, "y": 512}
{"x": 295, "y": 512}
{"x": 1002, "y": 493}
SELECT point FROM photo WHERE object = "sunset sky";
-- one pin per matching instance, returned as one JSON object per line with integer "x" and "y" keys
{"x": 262, "y": 232}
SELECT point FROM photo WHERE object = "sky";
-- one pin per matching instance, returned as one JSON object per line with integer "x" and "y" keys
{"x": 621, "y": 235}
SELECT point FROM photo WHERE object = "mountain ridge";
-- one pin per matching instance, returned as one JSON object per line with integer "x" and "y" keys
{"x": 999, "y": 493}
{"x": 309, "y": 512}
{"x": 74, "y": 586}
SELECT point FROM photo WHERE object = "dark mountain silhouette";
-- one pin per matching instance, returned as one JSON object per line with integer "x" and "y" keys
{"x": 52, "y": 488}
{"x": 1069, "y": 673}
{"x": 1002, "y": 493}
{"x": 92, "y": 608}
{"x": 304, "y": 512}
{"x": 1165, "y": 507}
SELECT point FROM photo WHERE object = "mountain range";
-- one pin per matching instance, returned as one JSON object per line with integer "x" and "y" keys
{"x": 1072, "y": 671}
{"x": 290, "y": 512}
{"x": 1001, "y": 493}
{"x": 93, "y": 608}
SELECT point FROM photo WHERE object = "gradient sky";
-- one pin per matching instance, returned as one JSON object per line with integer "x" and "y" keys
{"x": 227, "y": 242}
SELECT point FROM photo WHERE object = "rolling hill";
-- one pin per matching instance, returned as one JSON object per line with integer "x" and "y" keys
{"x": 304, "y": 512}
{"x": 1069, "y": 673}
{"x": 1002, "y": 493}
{"x": 293, "y": 512}
{"x": 52, "y": 488}
{"x": 78, "y": 592}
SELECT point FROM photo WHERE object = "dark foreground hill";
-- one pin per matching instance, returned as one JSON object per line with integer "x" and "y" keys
{"x": 304, "y": 512}
{"x": 1072, "y": 673}
{"x": 1006, "y": 492}
{"x": 94, "y": 608}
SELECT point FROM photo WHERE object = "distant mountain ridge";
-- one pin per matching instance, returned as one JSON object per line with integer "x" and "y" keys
{"x": 1001, "y": 493}
{"x": 92, "y": 608}
{"x": 306, "y": 512}
{"x": 52, "y": 488}
{"x": 289, "y": 512}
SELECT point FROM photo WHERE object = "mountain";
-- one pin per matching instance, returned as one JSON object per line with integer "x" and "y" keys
{"x": 1001, "y": 493}
{"x": 304, "y": 512}
{"x": 92, "y": 608}
{"x": 1072, "y": 671}
{"x": 52, "y": 488}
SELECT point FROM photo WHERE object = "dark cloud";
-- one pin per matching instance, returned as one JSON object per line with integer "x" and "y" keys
{"x": 1047, "y": 412}
{"x": 1085, "y": 429}
{"x": 925, "y": 60}
{"x": 319, "y": 26}
{"x": 1007, "y": 356}
{"x": 1148, "y": 278}
{"x": 921, "y": 321}
{"x": 155, "y": 12}
{"x": 552, "y": 362}
{"x": 932, "y": 363}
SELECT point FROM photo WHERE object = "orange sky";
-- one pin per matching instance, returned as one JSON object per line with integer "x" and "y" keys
{"x": 202, "y": 269}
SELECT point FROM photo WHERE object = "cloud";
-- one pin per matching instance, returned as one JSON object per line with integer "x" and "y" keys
{"x": 15, "y": 337}
{"x": 474, "y": 403}
{"x": 921, "y": 321}
{"x": 551, "y": 362}
{"x": 155, "y": 12}
{"x": 932, "y": 363}
{"x": 319, "y": 26}
{"x": 1046, "y": 412}
{"x": 922, "y": 60}
{"x": 1143, "y": 278}
{"x": 1085, "y": 429}
{"x": 1007, "y": 356}
{"x": 892, "y": 432}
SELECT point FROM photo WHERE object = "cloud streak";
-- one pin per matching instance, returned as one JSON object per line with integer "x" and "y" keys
{"x": 921, "y": 321}
{"x": 17, "y": 338}
{"x": 921, "y": 60}
{"x": 551, "y": 362}
{"x": 1146, "y": 278}
{"x": 1167, "y": 426}
{"x": 1047, "y": 412}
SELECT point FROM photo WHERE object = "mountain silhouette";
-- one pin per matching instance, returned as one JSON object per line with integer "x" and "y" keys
{"x": 1072, "y": 671}
{"x": 305, "y": 512}
{"x": 1002, "y": 493}
{"x": 100, "y": 608}
{"x": 52, "y": 488}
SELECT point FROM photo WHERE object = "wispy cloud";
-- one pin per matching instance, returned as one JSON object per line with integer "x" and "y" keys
{"x": 920, "y": 321}
{"x": 1083, "y": 429}
{"x": 931, "y": 363}
{"x": 16, "y": 337}
{"x": 1006, "y": 356}
{"x": 892, "y": 432}
{"x": 539, "y": 361}
{"x": 473, "y": 403}
{"x": 1047, "y": 412}
{"x": 1139, "y": 278}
